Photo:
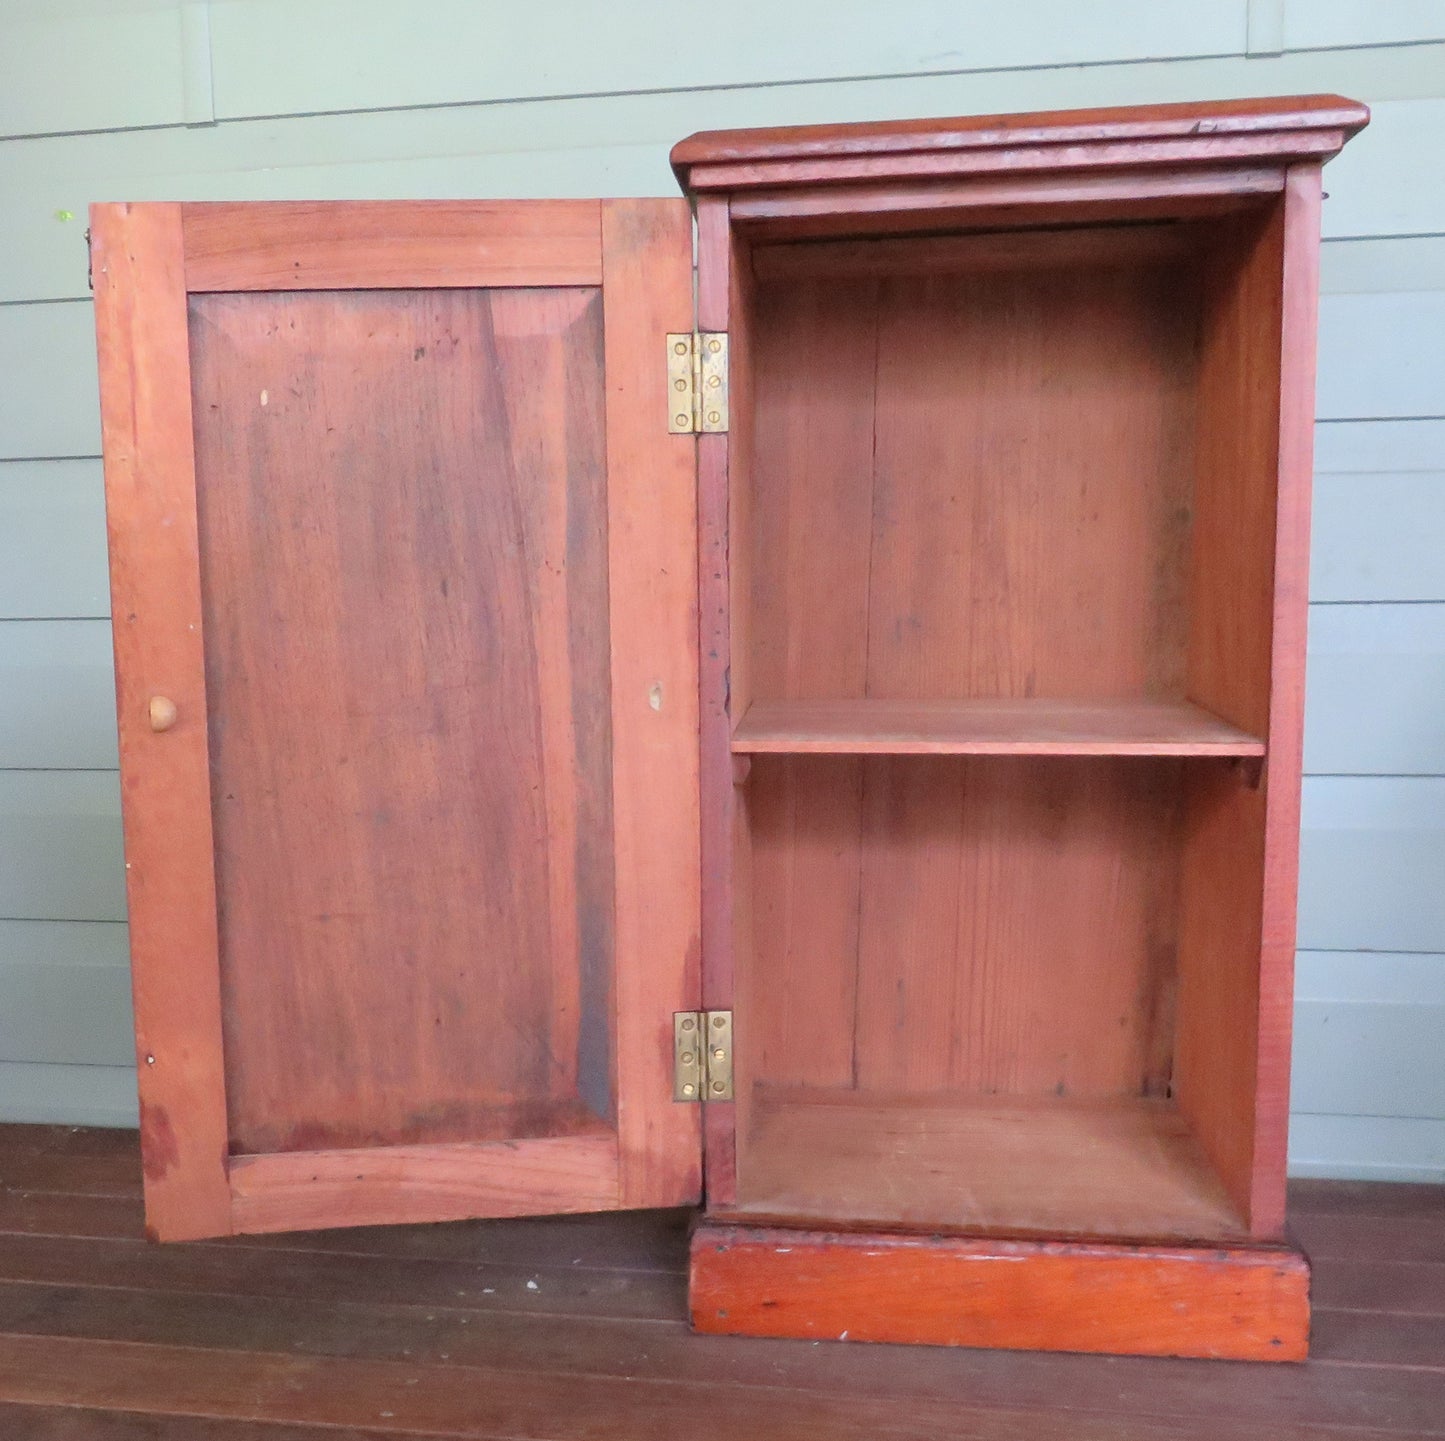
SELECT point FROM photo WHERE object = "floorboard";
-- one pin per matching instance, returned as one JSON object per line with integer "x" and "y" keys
{"x": 572, "y": 1330}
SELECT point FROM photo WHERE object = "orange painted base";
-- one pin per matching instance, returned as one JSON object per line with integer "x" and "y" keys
{"x": 1248, "y": 1304}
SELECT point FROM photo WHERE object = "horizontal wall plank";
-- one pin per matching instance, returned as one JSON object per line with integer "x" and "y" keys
{"x": 1375, "y": 692}
{"x": 1376, "y": 697}
{"x": 68, "y": 1095}
{"x": 658, "y": 117}
{"x": 64, "y": 943}
{"x": 91, "y": 65}
{"x": 1351, "y": 447}
{"x": 447, "y": 52}
{"x": 611, "y": 145}
{"x": 1361, "y": 22}
{"x": 1367, "y": 1035}
{"x": 1381, "y": 356}
{"x": 60, "y": 846}
{"x": 49, "y": 403}
{"x": 1372, "y": 855}
{"x": 1409, "y": 262}
{"x": 52, "y": 539}
{"x": 51, "y": 406}
{"x": 1387, "y": 180}
{"x": 1378, "y": 537}
{"x": 57, "y": 694}
{"x": 76, "y": 1015}
{"x": 1367, "y": 1148}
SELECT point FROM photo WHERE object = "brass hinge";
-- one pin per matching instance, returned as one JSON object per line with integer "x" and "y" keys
{"x": 697, "y": 383}
{"x": 702, "y": 1056}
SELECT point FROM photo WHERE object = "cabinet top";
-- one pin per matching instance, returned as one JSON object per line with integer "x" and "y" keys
{"x": 1268, "y": 130}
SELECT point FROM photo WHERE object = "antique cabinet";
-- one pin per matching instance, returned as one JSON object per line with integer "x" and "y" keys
{"x": 827, "y": 749}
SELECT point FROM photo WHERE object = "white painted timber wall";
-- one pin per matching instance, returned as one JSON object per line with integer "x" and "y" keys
{"x": 253, "y": 99}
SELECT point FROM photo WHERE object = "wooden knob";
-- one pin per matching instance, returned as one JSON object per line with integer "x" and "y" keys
{"x": 163, "y": 713}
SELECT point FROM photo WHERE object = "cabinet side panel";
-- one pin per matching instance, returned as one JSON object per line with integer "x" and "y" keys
{"x": 145, "y": 383}
{"x": 1233, "y": 644}
{"x": 715, "y": 261}
{"x": 652, "y": 585}
{"x": 1300, "y": 310}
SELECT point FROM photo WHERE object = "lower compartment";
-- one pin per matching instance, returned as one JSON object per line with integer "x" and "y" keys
{"x": 1016, "y": 996}
{"x": 1247, "y": 1304}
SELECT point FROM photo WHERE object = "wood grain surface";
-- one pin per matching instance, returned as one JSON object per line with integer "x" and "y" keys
{"x": 988, "y": 727}
{"x": 974, "y": 443}
{"x": 1249, "y": 1305}
{"x": 265, "y": 1338}
{"x": 652, "y": 595}
{"x": 156, "y": 602}
{"x": 1004, "y": 202}
{"x": 343, "y": 245}
{"x": 415, "y": 428}
{"x": 391, "y": 1185}
{"x": 716, "y": 286}
{"x": 1046, "y": 1166}
{"x": 1191, "y": 134}
{"x": 410, "y": 745}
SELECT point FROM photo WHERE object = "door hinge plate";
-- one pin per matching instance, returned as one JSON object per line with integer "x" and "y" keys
{"x": 702, "y": 1056}
{"x": 697, "y": 382}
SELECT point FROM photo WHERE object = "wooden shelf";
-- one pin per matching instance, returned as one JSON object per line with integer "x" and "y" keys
{"x": 1116, "y": 1166}
{"x": 989, "y": 727}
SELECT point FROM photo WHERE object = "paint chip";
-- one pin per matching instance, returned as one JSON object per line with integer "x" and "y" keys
{"x": 654, "y": 695}
{"x": 265, "y": 397}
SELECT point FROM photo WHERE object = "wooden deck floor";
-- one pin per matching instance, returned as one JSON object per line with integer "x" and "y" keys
{"x": 573, "y": 1329}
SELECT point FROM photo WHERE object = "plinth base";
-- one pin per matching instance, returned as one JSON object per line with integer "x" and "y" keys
{"x": 1248, "y": 1304}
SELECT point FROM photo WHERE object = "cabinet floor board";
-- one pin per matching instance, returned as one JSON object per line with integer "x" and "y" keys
{"x": 102, "y": 1339}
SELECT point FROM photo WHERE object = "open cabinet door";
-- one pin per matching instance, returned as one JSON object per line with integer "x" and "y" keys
{"x": 404, "y": 579}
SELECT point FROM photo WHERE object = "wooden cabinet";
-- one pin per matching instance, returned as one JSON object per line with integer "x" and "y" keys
{"x": 929, "y": 723}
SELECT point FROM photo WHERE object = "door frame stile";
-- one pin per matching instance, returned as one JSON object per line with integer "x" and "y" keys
{"x": 150, "y": 481}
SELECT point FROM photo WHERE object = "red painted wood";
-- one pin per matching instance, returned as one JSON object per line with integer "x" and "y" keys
{"x": 457, "y": 911}
{"x": 715, "y": 284}
{"x": 1250, "y": 1305}
{"x": 1299, "y": 307}
{"x": 150, "y": 480}
{"x": 1215, "y": 310}
{"x": 609, "y": 1303}
{"x": 1280, "y": 129}
{"x": 371, "y": 244}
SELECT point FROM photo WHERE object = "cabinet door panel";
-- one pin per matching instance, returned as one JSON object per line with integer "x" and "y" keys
{"x": 387, "y": 866}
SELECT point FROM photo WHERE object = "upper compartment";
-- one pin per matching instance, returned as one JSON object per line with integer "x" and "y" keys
{"x": 1003, "y": 476}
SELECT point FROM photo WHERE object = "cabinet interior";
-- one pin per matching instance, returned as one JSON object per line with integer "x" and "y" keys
{"x": 1002, "y": 525}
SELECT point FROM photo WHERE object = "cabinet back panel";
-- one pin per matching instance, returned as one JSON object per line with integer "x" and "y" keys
{"x": 973, "y": 482}
{"x": 926, "y": 925}
{"x": 404, "y": 571}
